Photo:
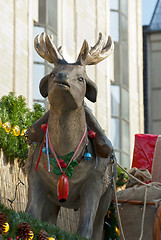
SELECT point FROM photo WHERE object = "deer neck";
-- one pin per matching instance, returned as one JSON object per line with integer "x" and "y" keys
{"x": 66, "y": 129}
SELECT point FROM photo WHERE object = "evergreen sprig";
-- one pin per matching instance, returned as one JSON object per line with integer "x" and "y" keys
{"x": 15, "y": 219}
{"x": 14, "y": 110}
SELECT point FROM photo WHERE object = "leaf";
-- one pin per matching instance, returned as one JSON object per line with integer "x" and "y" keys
{"x": 14, "y": 110}
{"x": 66, "y": 157}
{"x": 69, "y": 171}
{"x": 74, "y": 163}
{"x": 56, "y": 170}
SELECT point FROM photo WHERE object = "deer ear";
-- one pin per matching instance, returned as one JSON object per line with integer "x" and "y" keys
{"x": 43, "y": 86}
{"x": 91, "y": 90}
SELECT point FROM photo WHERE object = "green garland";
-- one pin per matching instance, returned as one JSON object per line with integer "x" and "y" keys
{"x": 111, "y": 223}
{"x": 13, "y": 110}
{"x": 15, "y": 219}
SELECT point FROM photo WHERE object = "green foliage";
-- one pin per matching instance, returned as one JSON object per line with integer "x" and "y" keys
{"x": 122, "y": 177}
{"x": 14, "y": 110}
{"x": 110, "y": 224}
{"x": 66, "y": 158}
{"x": 14, "y": 219}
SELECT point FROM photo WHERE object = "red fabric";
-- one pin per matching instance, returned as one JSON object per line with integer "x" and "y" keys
{"x": 144, "y": 151}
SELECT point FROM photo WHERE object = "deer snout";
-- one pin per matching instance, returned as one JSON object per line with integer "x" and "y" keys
{"x": 63, "y": 75}
{"x": 62, "y": 79}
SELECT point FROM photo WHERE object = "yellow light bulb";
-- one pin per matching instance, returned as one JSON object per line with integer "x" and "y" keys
{"x": 6, "y": 227}
{"x": 23, "y": 132}
{"x": 7, "y": 127}
{"x": 16, "y": 130}
{"x": 117, "y": 231}
{"x": 51, "y": 238}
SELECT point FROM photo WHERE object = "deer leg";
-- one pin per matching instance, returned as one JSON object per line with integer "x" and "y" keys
{"x": 101, "y": 212}
{"x": 39, "y": 205}
{"x": 90, "y": 196}
{"x": 102, "y": 144}
{"x": 49, "y": 211}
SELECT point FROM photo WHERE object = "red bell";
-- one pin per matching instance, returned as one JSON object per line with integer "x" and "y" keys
{"x": 62, "y": 163}
{"x": 63, "y": 188}
{"x": 43, "y": 127}
{"x": 91, "y": 134}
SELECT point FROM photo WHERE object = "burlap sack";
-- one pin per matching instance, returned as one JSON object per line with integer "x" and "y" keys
{"x": 141, "y": 174}
{"x": 131, "y": 215}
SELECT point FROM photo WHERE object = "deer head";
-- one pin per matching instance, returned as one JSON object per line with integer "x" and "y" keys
{"x": 70, "y": 78}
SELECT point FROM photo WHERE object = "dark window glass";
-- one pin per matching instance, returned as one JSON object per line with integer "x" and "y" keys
{"x": 52, "y": 14}
{"x": 125, "y": 137}
{"x": 124, "y": 6}
{"x": 124, "y": 63}
{"x": 117, "y": 64}
{"x": 124, "y": 28}
{"x": 115, "y": 132}
{"x": 42, "y": 11}
{"x": 125, "y": 104}
{"x": 115, "y": 100}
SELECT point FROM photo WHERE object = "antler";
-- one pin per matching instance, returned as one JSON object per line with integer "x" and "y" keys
{"x": 96, "y": 54}
{"x": 46, "y": 49}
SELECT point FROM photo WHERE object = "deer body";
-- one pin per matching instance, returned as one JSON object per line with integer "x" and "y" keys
{"x": 90, "y": 187}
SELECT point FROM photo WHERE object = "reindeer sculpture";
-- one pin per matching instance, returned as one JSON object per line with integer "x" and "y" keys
{"x": 90, "y": 187}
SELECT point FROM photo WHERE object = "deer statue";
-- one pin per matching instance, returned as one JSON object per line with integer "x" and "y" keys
{"x": 68, "y": 172}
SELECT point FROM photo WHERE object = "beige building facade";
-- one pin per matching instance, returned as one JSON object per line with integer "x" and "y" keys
{"x": 127, "y": 113}
{"x": 119, "y": 78}
{"x": 152, "y": 72}
{"x": 16, "y": 47}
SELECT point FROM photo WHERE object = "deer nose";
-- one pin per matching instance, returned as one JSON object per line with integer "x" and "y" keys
{"x": 63, "y": 75}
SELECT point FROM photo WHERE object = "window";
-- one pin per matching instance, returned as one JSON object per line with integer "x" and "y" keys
{"x": 114, "y": 25}
{"x": 120, "y": 135}
{"x": 114, "y": 4}
{"x": 119, "y": 90}
{"x": 47, "y": 23}
{"x": 115, "y": 100}
{"x": 125, "y": 104}
{"x": 115, "y": 126}
{"x": 118, "y": 20}
{"x": 115, "y": 119}
{"x": 124, "y": 6}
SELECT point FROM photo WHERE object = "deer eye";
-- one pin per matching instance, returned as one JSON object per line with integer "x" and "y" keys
{"x": 80, "y": 79}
